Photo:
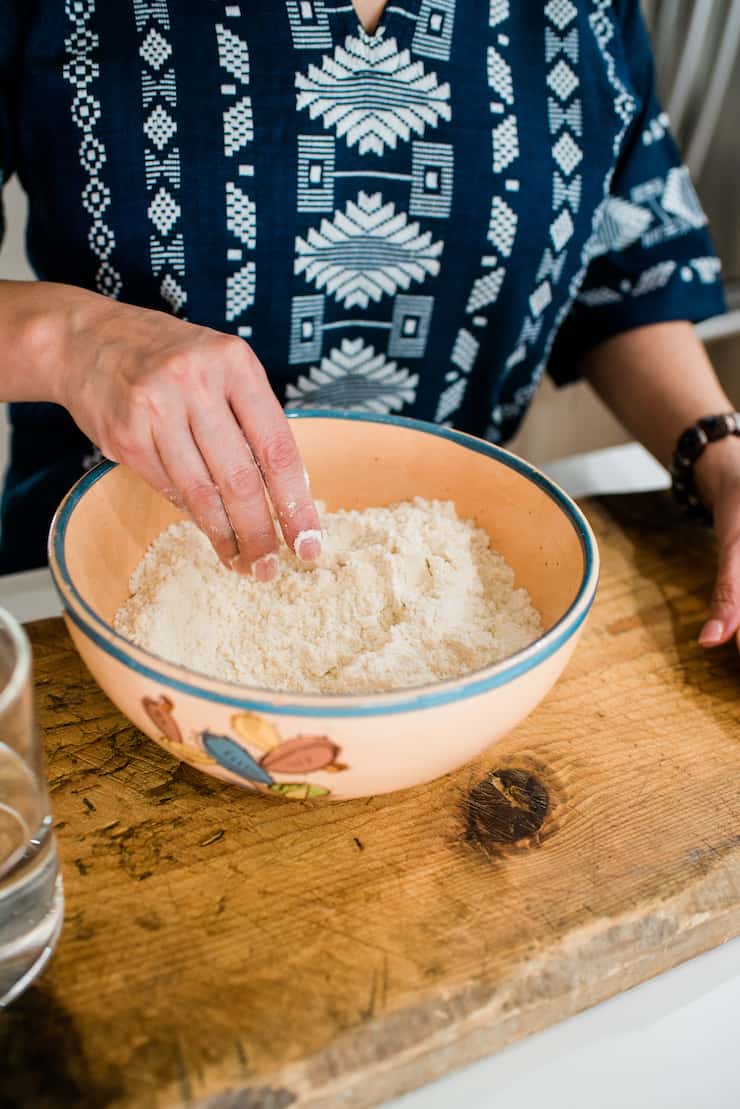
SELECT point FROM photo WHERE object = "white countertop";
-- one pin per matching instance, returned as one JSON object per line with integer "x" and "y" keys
{"x": 672, "y": 1043}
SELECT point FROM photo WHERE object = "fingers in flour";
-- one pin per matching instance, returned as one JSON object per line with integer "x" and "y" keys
{"x": 231, "y": 463}
{"x": 189, "y": 475}
{"x": 268, "y": 431}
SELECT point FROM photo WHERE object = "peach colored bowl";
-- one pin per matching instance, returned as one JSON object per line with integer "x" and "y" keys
{"x": 334, "y": 746}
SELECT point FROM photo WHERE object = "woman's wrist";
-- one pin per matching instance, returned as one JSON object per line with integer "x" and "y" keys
{"x": 717, "y": 470}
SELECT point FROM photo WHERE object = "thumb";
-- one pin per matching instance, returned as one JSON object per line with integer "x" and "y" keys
{"x": 724, "y": 608}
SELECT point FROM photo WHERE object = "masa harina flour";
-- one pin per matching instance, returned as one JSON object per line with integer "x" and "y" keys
{"x": 401, "y": 596}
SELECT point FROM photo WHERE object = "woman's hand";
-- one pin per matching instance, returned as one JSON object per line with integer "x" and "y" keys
{"x": 718, "y": 479}
{"x": 658, "y": 381}
{"x": 191, "y": 410}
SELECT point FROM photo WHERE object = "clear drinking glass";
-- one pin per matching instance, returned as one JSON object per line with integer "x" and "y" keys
{"x": 31, "y": 896}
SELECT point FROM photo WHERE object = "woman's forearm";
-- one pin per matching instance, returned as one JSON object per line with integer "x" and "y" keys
{"x": 36, "y": 320}
{"x": 188, "y": 408}
{"x": 658, "y": 381}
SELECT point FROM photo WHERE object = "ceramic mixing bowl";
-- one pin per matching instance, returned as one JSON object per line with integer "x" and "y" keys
{"x": 305, "y": 746}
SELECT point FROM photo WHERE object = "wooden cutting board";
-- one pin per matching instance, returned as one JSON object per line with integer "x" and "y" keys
{"x": 221, "y": 950}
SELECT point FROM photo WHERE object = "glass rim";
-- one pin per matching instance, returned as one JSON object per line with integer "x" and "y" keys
{"x": 20, "y": 673}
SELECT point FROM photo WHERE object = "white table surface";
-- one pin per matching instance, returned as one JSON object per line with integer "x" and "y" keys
{"x": 671, "y": 1043}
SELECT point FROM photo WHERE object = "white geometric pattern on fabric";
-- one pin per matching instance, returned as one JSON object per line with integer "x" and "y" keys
{"x": 680, "y": 199}
{"x": 233, "y": 54}
{"x": 170, "y": 253}
{"x": 432, "y": 178}
{"x": 240, "y": 208}
{"x": 656, "y": 277}
{"x": 502, "y": 225}
{"x": 241, "y": 215}
{"x": 434, "y": 26}
{"x": 625, "y": 107}
{"x": 505, "y": 143}
{"x": 499, "y": 75}
{"x": 533, "y": 324}
{"x": 517, "y": 355}
{"x": 399, "y": 98}
{"x": 677, "y": 192}
{"x": 95, "y": 196}
{"x": 159, "y": 127}
{"x": 240, "y": 291}
{"x": 450, "y": 400}
{"x": 567, "y": 153}
{"x": 562, "y": 80}
{"x": 465, "y": 350}
{"x": 412, "y": 318}
{"x": 316, "y": 161}
{"x": 80, "y": 70}
{"x": 164, "y": 211}
{"x": 558, "y": 117}
{"x": 551, "y": 265}
{"x": 557, "y": 44}
{"x": 81, "y": 42}
{"x": 101, "y": 238}
{"x": 624, "y": 101}
{"x": 356, "y": 379}
{"x": 85, "y": 109}
{"x": 564, "y": 123}
{"x": 167, "y": 167}
{"x": 708, "y": 269}
{"x": 306, "y": 328}
{"x": 238, "y": 125}
{"x": 485, "y": 290}
{"x": 652, "y": 280}
{"x": 561, "y": 12}
{"x": 367, "y": 251}
{"x": 161, "y": 170}
{"x": 656, "y": 129}
{"x": 173, "y": 293}
{"x": 540, "y": 298}
{"x": 597, "y": 298}
{"x": 151, "y": 9}
{"x": 564, "y": 193}
{"x": 164, "y": 86}
{"x": 658, "y": 210}
{"x": 561, "y": 229}
{"x": 498, "y": 12}
{"x": 620, "y": 224}
{"x": 309, "y": 24}
{"x": 155, "y": 49}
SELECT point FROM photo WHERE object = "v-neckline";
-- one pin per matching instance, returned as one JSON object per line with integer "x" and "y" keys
{"x": 397, "y": 21}
{"x": 378, "y": 26}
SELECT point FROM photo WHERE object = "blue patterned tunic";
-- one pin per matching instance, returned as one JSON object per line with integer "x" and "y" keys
{"x": 418, "y": 221}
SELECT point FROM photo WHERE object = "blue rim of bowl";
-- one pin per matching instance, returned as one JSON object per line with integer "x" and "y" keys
{"x": 352, "y": 705}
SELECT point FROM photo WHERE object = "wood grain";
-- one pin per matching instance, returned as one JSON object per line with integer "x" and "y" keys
{"x": 221, "y": 951}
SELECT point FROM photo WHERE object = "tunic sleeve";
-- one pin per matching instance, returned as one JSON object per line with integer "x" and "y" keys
{"x": 652, "y": 257}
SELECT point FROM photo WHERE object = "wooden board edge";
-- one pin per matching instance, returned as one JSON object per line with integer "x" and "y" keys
{"x": 394, "y": 1054}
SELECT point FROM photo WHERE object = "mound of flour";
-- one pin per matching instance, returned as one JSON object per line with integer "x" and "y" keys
{"x": 401, "y": 596}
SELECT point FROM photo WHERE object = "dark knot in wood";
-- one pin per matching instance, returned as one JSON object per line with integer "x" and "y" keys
{"x": 507, "y": 806}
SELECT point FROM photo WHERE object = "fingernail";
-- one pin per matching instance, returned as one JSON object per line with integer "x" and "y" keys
{"x": 265, "y": 568}
{"x": 308, "y": 545}
{"x": 711, "y": 633}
